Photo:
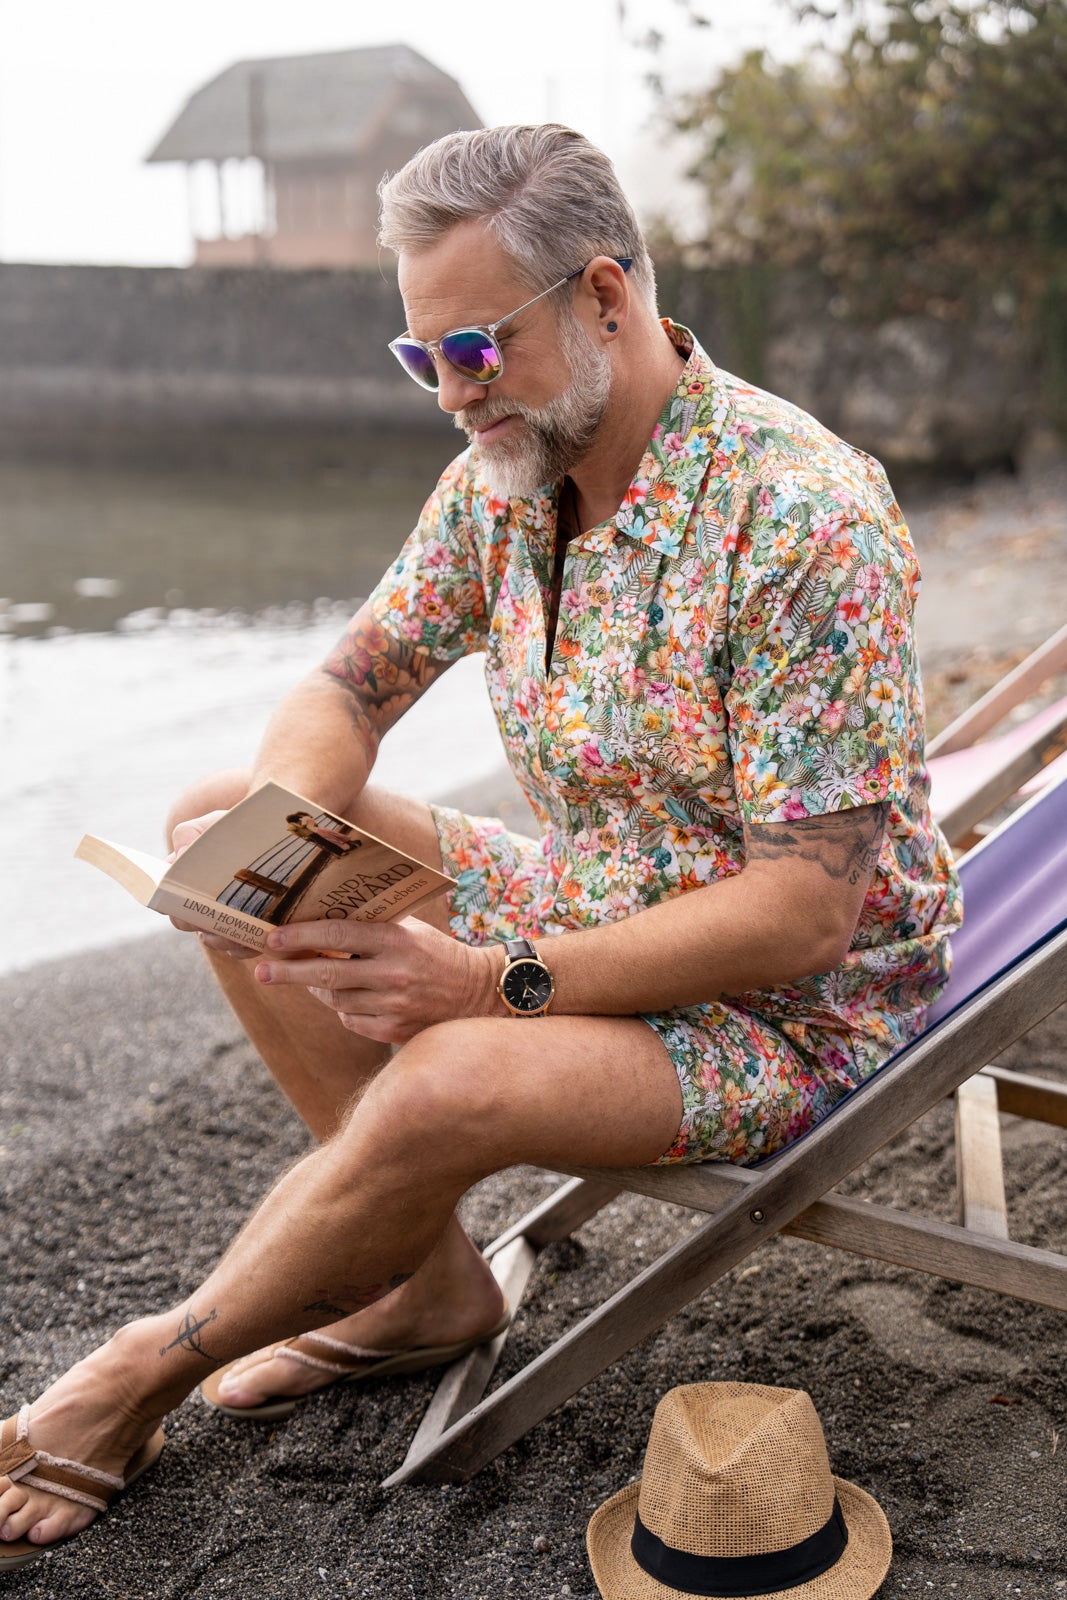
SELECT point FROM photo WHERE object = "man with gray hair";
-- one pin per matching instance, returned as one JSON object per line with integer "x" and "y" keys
{"x": 695, "y": 606}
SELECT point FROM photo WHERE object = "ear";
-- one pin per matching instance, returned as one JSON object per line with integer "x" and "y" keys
{"x": 607, "y": 297}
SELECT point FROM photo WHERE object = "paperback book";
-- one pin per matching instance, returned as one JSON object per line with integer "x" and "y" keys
{"x": 274, "y": 858}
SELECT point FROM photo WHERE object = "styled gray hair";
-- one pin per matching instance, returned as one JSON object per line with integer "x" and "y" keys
{"x": 551, "y": 198}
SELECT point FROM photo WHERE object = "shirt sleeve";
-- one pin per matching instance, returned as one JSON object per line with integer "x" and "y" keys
{"x": 433, "y": 596}
{"x": 824, "y": 704}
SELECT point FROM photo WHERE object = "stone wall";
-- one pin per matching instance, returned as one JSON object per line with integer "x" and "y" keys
{"x": 151, "y": 363}
{"x": 125, "y": 361}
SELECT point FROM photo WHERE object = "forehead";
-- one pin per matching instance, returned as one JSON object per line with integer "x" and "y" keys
{"x": 466, "y": 277}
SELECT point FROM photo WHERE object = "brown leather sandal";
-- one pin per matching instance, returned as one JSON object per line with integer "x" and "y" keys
{"x": 70, "y": 1480}
{"x": 345, "y": 1363}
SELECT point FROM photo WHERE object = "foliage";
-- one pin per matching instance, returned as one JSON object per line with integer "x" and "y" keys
{"x": 931, "y": 142}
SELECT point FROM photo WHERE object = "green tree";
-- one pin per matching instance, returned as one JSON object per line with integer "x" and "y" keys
{"x": 928, "y": 147}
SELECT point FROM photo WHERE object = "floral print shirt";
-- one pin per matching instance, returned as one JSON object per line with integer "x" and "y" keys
{"x": 735, "y": 644}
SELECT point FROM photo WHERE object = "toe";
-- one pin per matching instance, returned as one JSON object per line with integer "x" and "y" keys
{"x": 42, "y": 1519}
{"x": 12, "y": 1502}
{"x": 60, "y": 1522}
{"x": 17, "y": 1523}
{"x": 235, "y": 1385}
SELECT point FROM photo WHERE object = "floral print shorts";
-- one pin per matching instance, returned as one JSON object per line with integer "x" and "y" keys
{"x": 747, "y": 1089}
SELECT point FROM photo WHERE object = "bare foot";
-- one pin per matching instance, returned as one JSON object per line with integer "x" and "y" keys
{"x": 452, "y": 1297}
{"x": 92, "y": 1415}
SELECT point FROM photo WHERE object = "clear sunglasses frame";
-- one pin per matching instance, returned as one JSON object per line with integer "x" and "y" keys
{"x": 434, "y": 348}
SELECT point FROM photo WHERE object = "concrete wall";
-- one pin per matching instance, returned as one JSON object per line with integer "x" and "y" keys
{"x": 124, "y": 361}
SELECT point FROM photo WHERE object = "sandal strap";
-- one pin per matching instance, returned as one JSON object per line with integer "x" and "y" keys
{"x": 346, "y": 1357}
{"x": 17, "y": 1457}
{"x": 38, "y": 1469}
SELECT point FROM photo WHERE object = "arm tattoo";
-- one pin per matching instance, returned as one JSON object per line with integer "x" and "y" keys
{"x": 189, "y": 1335}
{"x": 845, "y": 844}
{"x": 382, "y": 675}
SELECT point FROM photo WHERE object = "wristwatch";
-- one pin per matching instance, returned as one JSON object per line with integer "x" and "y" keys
{"x": 526, "y": 985}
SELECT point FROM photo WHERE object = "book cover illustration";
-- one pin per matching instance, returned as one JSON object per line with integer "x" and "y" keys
{"x": 275, "y": 857}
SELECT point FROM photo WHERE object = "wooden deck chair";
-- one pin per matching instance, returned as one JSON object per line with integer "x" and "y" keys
{"x": 1009, "y": 972}
{"x": 970, "y": 780}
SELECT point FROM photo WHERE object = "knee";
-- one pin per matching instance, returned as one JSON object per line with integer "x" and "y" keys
{"x": 443, "y": 1098}
{"x": 217, "y": 791}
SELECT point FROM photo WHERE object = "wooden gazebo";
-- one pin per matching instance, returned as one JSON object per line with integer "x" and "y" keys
{"x": 316, "y": 133}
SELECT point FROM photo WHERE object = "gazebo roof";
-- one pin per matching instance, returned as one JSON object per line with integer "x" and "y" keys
{"x": 302, "y": 106}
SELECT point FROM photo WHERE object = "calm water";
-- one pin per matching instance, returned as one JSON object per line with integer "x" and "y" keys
{"x": 84, "y": 547}
{"x": 152, "y": 623}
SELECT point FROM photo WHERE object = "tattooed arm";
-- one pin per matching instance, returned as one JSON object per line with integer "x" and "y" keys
{"x": 843, "y": 845}
{"x": 323, "y": 738}
{"x": 790, "y": 913}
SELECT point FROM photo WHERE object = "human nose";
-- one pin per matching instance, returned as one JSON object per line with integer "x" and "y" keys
{"x": 455, "y": 392}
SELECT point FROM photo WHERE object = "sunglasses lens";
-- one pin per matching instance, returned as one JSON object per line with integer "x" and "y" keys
{"x": 472, "y": 352}
{"x": 416, "y": 362}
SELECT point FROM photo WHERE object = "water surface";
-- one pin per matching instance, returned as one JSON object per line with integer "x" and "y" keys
{"x": 153, "y": 621}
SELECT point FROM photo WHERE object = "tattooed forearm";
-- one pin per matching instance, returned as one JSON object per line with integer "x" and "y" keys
{"x": 188, "y": 1337}
{"x": 326, "y": 1307}
{"x": 382, "y": 675}
{"x": 845, "y": 844}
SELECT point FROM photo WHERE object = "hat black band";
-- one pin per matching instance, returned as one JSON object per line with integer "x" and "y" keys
{"x": 723, "y": 1576}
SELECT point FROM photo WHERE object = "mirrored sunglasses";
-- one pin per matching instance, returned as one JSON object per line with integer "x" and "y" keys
{"x": 472, "y": 352}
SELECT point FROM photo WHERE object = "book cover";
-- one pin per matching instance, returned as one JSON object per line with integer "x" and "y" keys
{"x": 275, "y": 857}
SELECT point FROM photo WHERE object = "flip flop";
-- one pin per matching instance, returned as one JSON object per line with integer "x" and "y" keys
{"x": 346, "y": 1363}
{"x": 70, "y": 1480}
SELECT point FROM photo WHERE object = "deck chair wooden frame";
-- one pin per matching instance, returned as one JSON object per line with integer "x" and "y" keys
{"x": 792, "y": 1192}
{"x": 1011, "y": 761}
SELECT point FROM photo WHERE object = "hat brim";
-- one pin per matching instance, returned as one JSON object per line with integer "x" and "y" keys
{"x": 855, "y": 1576}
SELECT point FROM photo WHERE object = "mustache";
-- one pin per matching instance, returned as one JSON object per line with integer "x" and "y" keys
{"x": 483, "y": 415}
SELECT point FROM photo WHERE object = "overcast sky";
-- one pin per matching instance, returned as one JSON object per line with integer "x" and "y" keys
{"x": 88, "y": 86}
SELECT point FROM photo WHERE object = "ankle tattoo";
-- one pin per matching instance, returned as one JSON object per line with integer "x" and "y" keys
{"x": 188, "y": 1337}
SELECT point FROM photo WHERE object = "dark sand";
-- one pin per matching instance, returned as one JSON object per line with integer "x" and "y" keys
{"x": 138, "y": 1128}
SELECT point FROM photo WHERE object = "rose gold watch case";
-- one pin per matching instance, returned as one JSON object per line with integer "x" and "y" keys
{"x": 533, "y": 961}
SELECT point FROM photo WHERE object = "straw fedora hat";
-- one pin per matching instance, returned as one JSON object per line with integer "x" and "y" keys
{"x": 738, "y": 1500}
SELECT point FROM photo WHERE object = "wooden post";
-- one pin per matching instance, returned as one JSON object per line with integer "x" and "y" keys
{"x": 979, "y": 1163}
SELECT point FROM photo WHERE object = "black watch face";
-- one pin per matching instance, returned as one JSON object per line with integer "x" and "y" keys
{"x": 526, "y": 986}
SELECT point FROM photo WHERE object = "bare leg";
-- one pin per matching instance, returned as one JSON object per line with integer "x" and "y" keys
{"x": 461, "y": 1100}
{"x": 322, "y": 1067}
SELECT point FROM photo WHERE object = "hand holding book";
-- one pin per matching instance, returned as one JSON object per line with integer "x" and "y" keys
{"x": 410, "y": 975}
{"x": 274, "y": 858}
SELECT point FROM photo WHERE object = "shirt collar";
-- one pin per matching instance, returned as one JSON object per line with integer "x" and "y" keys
{"x": 665, "y": 487}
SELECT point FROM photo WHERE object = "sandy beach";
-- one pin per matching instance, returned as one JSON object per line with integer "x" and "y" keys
{"x": 137, "y": 1128}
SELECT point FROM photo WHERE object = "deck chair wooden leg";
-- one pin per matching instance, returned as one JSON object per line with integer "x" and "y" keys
{"x": 979, "y": 1162}
{"x": 600, "y": 1338}
{"x": 512, "y": 1257}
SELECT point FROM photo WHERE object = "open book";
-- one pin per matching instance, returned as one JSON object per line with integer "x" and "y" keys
{"x": 275, "y": 857}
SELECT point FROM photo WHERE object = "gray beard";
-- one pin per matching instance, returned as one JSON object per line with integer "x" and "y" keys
{"x": 555, "y": 438}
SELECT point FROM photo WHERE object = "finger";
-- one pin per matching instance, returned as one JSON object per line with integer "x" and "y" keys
{"x": 320, "y": 972}
{"x": 354, "y": 1002}
{"x": 185, "y": 832}
{"x": 382, "y": 1029}
{"x": 333, "y": 933}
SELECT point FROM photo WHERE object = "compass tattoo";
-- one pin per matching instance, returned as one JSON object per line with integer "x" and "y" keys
{"x": 189, "y": 1336}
